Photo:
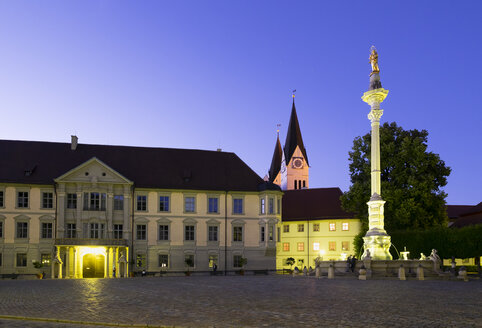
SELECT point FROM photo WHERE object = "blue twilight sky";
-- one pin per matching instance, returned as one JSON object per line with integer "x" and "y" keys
{"x": 219, "y": 74}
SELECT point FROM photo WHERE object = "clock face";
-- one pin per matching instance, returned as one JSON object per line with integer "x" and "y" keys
{"x": 297, "y": 163}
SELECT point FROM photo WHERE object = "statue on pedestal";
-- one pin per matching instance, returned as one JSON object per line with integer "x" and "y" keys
{"x": 374, "y": 61}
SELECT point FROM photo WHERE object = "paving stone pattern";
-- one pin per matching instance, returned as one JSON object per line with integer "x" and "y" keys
{"x": 243, "y": 301}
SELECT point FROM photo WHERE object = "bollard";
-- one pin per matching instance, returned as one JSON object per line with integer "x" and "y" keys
{"x": 362, "y": 273}
{"x": 331, "y": 272}
{"x": 463, "y": 274}
{"x": 318, "y": 272}
{"x": 401, "y": 273}
{"x": 420, "y": 274}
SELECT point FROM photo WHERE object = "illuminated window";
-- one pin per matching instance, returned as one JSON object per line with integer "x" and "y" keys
{"x": 301, "y": 227}
{"x": 332, "y": 226}
{"x": 332, "y": 245}
{"x": 263, "y": 205}
{"x": 141, "y": 232}
{"x": 163, "y": 260}
{"x": 47, "y": 200}
{"x": 271, "y": 205}
{"x": 164, "y": 203}
{"x": 301, "y": 247}
{"x": 238, "y": 206}
{"x": 345, "y": 245}
{"x": 46, "y": 230}
{"x": 142, "y": 203}
{"x": 286, "y": 247}
{"x": 286, "y": 228}
{"x": 189, "y": 204}
{"x": 213, "y": 260}
{"x": 118, "y": 231}
{"x": 72, "y": 201}
{"x": 118, "y": 202}
{"x": 141, "y": 260}
{"x": 316, "y": 227}
{"x": 45, "y": 259}
{"x": 22, "y": 199}
{"x": 316, "y": 246}
{"x": 345, "y": 226}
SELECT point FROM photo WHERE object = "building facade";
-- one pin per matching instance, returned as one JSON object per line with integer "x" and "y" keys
{"x": 77, "y": 211}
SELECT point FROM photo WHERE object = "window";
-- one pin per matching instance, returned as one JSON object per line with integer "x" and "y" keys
{"x": 118, "y": 230}
{"x": 263, "y": 206}
{"x": 1, "y": 229}
{"x": 332, "y": 226}
{"x": 271, "y": 205}
{"x": 46, "y": 230}
{"x": 213, "y": 260}
{"x": 163, "y": 232}
{"x": 316, "y": 246}
{"x": 345, "y": 245}
{"x": 332, "y": 246}
{"x": 141, "y": 260}
{"x": 141, "y": 230}
{"x": 1, "y": 199}
{"x": 345, "y": 226}
{"x": 301, "y": 227}
{"x": 316, "y": 227}
{"x": 301, "y": 247}
{"x": 141, "y": 202}
{"x": 94, "y": 201}
{"x": 22, "y": 230}
{"x": 189, "y": 204}
{"x": 278, "y": 206}
{"x": 238, "y": 206}
{"x": 163, "y": 260}
{"x": 118, "y": 202}
{"x": 164, "y": 203}
{"x": 96, "y": 230}
{"x": 71, "y": 230}
{"x": 189, "y": 232}
{"x": 213, "y": 205}
{"x": 286, "y": 228}
{"x": 213, "y": 233}
{"x": 237, "y": 233}
{"x": 279, "y": 233}
{"x": 237, "y": 261}
{"x": 22, "y": 199}
{"x": 21, "y": 259}
{"x": 45, "y": 259}
{"x": 286, "y": 247}
{"x": 189, "y": 258}
{"x": 271, "y": 233}
{"x": 262, "y": 233}
{"x": 47, "y": 200}
{"x": 72, "y": 201}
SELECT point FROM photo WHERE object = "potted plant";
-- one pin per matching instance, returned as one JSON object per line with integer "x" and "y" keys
{"x": 38, "y": 265}
{"x": 243, "y": 261}
{"x": 290, "y": 261}
{"x": 189, "y": 263}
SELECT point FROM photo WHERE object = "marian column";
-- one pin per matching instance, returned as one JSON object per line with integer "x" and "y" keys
{"x": 376, "y": 241}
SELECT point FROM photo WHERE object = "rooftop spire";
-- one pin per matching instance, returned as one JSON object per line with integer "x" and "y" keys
{"x": 293, "y": 137}
{"x": 277, "y": 157}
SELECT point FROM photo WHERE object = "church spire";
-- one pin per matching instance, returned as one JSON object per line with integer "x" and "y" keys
{"x": 277, "y": 158}
{"x": 293, "y": 137}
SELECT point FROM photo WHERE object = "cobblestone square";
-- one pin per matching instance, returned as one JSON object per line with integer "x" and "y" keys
{"x": 241, "y": 301}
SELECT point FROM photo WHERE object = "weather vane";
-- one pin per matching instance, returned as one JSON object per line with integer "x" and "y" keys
{"x": 293, "y": 92}
{"x": 277, "y": 128}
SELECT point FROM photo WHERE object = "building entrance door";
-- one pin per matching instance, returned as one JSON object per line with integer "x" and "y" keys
{"x": 93, "y": 266}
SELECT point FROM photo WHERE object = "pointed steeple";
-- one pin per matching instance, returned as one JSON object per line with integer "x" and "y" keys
{"x": 276, "y": 161}
{"x": 293, "y": 137}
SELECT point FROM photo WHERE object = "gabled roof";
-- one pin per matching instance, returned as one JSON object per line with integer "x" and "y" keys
{"x": 313, "y": 204}
{"x": 293, "y": 137}
{"x": 276, "y": 161}
{"x": 464, "y": 215}
{"x": 454, "y": 211}
{"x": 34, "y": 162}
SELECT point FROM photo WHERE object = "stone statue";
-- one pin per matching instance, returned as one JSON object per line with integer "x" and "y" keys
{"x": 374, "y": 61}
{"x": 368, "y": 255}
{"x": 422, "y": 257}
{"x": 317, "y": 261}
{"x": 434, "y": 256}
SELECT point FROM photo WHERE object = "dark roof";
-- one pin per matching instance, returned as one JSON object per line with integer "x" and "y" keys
{"x": 466, "y": 220}
{"x": 276, "y": 161}
{"x": 164, "y": 168}
{"x": 454, "y": 211}
{"x": 293, "y": 137}
{"x": 313, "y": 204}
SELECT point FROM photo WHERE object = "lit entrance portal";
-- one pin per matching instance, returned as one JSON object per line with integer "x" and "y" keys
{"x": 93, "y": 266}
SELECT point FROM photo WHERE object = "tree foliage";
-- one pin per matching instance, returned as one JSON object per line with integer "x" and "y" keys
{"x": 411, "y": 179}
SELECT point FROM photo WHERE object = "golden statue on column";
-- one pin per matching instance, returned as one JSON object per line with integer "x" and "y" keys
{"x": 374, "y": 61}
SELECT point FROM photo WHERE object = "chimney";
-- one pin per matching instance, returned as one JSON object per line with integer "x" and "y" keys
{"x": 74, "y": 142}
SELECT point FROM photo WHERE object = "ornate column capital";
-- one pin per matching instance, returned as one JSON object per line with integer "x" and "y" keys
{"x": 375, "y": 115}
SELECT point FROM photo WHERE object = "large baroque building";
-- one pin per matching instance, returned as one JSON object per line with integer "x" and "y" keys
{"x": 83, "y": 210}
{"x": 313, "y": 223}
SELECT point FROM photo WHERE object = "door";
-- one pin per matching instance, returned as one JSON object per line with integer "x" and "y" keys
{"x": 93, "y": 266}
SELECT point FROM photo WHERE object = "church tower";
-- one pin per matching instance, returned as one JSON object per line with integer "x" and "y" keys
{"x": 275, "y": 168}
{"x": 295, "y": 157}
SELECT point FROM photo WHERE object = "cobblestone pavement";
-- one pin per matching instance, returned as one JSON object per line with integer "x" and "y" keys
{"x": 243, "y": 301}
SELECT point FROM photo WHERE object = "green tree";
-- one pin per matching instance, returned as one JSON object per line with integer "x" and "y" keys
{"x": 411, "y": 177}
